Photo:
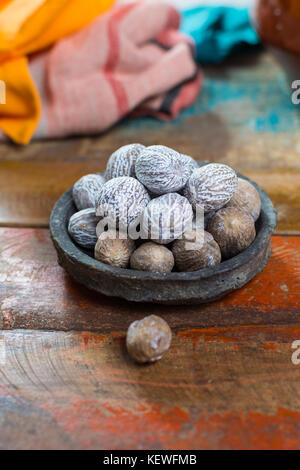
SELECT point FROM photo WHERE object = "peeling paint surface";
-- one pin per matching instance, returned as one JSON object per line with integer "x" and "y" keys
{"x": 225, "y": 388}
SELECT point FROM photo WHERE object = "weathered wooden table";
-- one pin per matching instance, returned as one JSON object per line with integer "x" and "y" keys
{"x": 228, "y": 381}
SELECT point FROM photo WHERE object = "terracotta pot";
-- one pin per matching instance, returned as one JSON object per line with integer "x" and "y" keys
{"x": 278, "y": 24}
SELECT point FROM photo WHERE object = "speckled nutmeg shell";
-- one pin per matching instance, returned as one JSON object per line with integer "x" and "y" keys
{"x": 82, "y": 227}
{"x": 233, "y": 230}
{"x": 113, "y": 250}
{"x": 162, "y": 170}
{"x": 122, "y": 200}
{"x": 246, "y": 198}
{"x": 148, "y": 339}
{"x": 211, "y": 186}
{"x": 86, "y": 190}
{"x": 153, "y": 258}
{"x": 192, "y": 253}
{"x": 122, "y": 161}
{"x": 190, "y": 162}
{"x": 166, "y": 218}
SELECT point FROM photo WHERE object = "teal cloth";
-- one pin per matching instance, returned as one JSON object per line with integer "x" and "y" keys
{"x": 218, "y": 31}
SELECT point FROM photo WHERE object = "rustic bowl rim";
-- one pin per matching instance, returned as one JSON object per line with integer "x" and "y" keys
{"x": 59, "y": 233}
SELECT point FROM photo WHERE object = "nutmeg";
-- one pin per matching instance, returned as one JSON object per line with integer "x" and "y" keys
{"x": 122, "y": 161}
{"x": 86, "y": 190}
{"x": 233, "y": 230}
{"x": 207, "y": 216}
{"x": 166, "y": 218}
{"x": 148, "y": 339}
{"x": 82, "y": 227}
{"x": 123, "y": 200}
{"x": 113, "y": 250}
{"x": 192, "y": 254}
{"x": 190, "y": 162}
{"x": 162, "y": 170}
{"x": 246, "y": 198}
{"x": 211, "y": 186}
{"x": 152, "y": 257}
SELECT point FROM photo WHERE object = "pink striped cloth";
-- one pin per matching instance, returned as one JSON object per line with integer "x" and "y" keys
{"x": 132, "y": 59}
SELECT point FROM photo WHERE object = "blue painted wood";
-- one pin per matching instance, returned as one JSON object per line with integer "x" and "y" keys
{"x": 255, "y": 82}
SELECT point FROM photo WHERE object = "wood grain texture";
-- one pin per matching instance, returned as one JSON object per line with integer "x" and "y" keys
{"x": 216, "y": 388}
{"x": 36, "y": 293}
{"x": 243, "y": 117}
{"x": 228, "y": 381}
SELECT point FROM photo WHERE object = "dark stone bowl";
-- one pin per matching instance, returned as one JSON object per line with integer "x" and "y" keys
{"x": 201, "y": 286}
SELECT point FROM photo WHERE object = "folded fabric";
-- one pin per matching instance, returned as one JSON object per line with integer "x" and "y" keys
{"x": 132, "y": 58}
{"x": 27, "y": 27}
{"x": 218, "y": 31}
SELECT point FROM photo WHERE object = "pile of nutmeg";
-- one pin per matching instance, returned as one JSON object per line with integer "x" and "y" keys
{"x": 145, "y": 212}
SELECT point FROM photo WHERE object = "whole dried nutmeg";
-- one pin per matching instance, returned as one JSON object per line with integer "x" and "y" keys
{"x": 123, "y": 200}
{"x": 211, "y": 186}
{"x": 208, "y": 216}
{"x": 233, "y": 230}
{"x": 192, "y": 253}
{"x": 246, "y": 198}
{"x": 148, "y": 339}
{"x": 82, "y": 228}
{"x": 166, "y": 218}
{"x": 86, "y": 190}
{"x": 152, "y": 257}
{"x": 113, "y": 250}
{"x": 162, "y": 170}
{"x": 190, "y": 162}
{"x": 122, "y": 161}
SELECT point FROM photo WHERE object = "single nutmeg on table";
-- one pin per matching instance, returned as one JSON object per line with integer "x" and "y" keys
{"x": 162, "y": 170}
{"x": 86, "y": 190}
{"x": 166, "y": 218}
{"x": 152, "y": 258}
{"x": 113, "y": 250}
{"x": 233, "y": 230}
{"x": 196, "y": 251}
{"x": 123, "y": 200}
{"x": 82, "y": 227}
{"x": 211, "y": 186}
{"x": 246, "y": 198}
{"x": 148, "y": 339}
{"x": 122, "y": 161}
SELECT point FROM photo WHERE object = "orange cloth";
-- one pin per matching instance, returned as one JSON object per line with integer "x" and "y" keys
{"x": 27, "y": 26}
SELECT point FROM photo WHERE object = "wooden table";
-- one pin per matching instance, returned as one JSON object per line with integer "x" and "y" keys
{"x": 228, "y": 381}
